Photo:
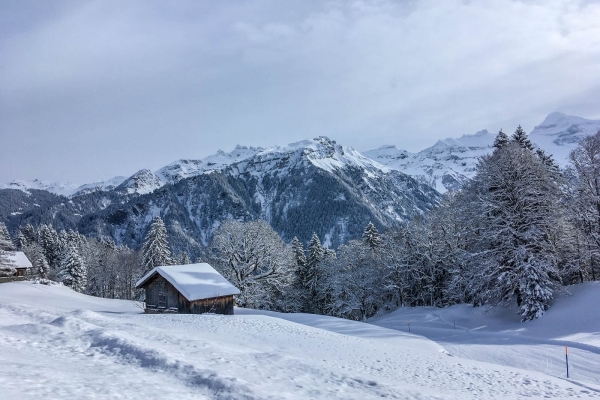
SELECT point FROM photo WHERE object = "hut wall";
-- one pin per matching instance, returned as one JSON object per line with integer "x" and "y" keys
{"x": 161, "y": 294}
{"x": 216, "y": 305}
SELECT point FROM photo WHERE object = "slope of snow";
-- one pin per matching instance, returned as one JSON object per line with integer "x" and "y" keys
{"x": 55, "y": 343}
{"x": 450, "y": 162}
{"x": 60, "y": 188}
{"x": 444, "y": 166}
{"x": 142, "y": 182}
{"x": 498, "y": 336}
{"x": 102, "y": 186}
{"x": 321, "y": 152}
{"x": 559, "y": 134}
{"x": 183, "y": 169}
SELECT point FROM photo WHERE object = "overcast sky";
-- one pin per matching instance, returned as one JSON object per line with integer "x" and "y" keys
{"x": 94, "y": 89}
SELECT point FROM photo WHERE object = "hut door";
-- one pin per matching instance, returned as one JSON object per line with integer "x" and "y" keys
{"x": 162, "y": 300}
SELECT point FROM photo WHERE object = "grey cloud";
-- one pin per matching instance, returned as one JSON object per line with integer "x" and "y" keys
{"x": 96, "y": 89}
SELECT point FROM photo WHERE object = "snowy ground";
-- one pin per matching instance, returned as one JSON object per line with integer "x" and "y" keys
{"x": 55, "y": 343}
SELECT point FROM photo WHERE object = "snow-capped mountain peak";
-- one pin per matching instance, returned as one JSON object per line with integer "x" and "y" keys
{"x": 446, "y": 165}
{"x": 142, "y": 182}
{"x": 451, "y": 162}
{"x": 560, "y": 133}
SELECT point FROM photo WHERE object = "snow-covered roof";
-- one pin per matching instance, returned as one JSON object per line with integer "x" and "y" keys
{"x": 18, "y": 259}
{"x": 194, "y": 281}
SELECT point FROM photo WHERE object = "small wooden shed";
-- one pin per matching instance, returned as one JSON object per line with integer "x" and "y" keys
{"x": 19, "y": 261}
{"x": 187, "y": 289}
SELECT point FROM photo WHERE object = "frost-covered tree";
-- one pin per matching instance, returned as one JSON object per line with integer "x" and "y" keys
{"x": 74, "y": 271}
{"x": 501, "y": 139}
{"x": 6, "y": 247}
{"x": 21, "y": 241}
{"x": 357, "y": 284}
{"x": 5, "y": 239}
{"x": 29, "y": 233}
{"x": 513, "y": 211}
{"x": 48, "y": 239}
{"x": 584, "y": 210}
{"x": 371, "y": 236}
{"x": 521, "y": 138}
{"x": 155, "y": 250}
{"x": 35, "y": 254}
{"x": 254, "y": 258}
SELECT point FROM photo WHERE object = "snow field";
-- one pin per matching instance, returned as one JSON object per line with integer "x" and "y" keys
{"x": 498, "y": 336}
{"x": 55, "y": 343}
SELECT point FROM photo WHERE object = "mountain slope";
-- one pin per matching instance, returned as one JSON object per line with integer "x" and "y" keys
{"x": 450, "y": 163}
{"x": 446, "y": 165}
{"x": 559, "y": 134}
{"x": 310, "y": 186}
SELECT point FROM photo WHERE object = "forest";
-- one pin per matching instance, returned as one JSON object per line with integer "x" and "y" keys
{"x": 520, "y": 231}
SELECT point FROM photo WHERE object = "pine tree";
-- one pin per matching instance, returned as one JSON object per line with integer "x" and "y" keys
{"x": 48, "y": 239}
{"x": 299, "y": 255}
{"x": 514, "y": 209}
{"x": 311, "y": 275}
{"x": 501, "y": 139}
{"x": 371, "y": 236}
{"x": 74, "y": 271}
{"x": 5, "y": 240}
{"x": 35, "y": 254}
{"x": 521, "y": 138}
{"x": 21, "y": 241}
{"x": 29, "y": 233}
{"x": 155, "y": 251}
{"x": 315, "y": 252}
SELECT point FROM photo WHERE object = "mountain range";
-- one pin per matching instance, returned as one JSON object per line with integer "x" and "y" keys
{"x": 450, "y": 162}
{"x": 310, "y": 186}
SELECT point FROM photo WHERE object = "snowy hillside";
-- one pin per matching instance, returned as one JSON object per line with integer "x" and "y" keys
{"x": 497, "y": 335}
{"x": 559, "y": 133}
{"x": 142, "y": 182}
{"x": 102, "y": 186}
{"x": 302, "y": 188}
{"x": 183, "y": 169}
{"x": 60, "y": 188}
{"x": 55, "y": 343}
{"x": 444, "y": 166}
{"x": 451, "y": 162}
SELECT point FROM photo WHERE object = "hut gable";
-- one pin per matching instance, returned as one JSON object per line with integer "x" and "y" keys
{"x": 190, "y": 289}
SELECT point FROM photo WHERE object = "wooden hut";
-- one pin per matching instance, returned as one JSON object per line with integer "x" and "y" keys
{"x": 19, "y": 261}
{"x": 187, "y": 289}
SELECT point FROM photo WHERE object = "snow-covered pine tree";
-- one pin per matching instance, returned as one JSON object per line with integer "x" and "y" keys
{"x": 35, "y": 254}
{"x": 48, "y": 239}
{"x": 6, "y": 269}
{"x": 21, "y": 241}
{"x": 513, "y": 209}
{"x": 184, "y": 259}
{"x": 155, "y": 251}
{"x": 299, "y": 255}
{"x": 521, "y": 138}
{"x": 5, "y": 239}
{"x": 312, "y": 276}
{"x": 371, "y": 236}
{"x": 74, "y": 271}
{"x": 501, "y": 139}
{"x": 29, "y": 233}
